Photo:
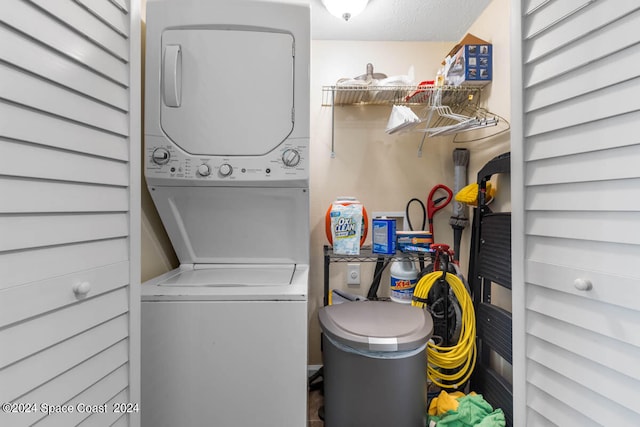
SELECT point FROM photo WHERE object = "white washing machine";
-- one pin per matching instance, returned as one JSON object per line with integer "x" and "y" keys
{"x": 224, "y": 336}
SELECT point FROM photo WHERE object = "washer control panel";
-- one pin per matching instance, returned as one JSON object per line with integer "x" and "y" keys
{"x": 291, "y": 157}
{"x": 225, "y": 169}
{"x": 160, "y": 156}
{"x": 164, "y": 160}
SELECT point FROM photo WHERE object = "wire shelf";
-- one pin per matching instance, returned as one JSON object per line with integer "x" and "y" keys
{"x": 366, "y": 255}
{"x": 396, "y": 95}
{"x": 463, "y": 100}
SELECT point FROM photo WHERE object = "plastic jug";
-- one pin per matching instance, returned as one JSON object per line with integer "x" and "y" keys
{"x": 404, "y": 276}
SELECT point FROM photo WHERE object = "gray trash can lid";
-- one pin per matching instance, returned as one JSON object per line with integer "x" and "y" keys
{"x": 377, "y": 325}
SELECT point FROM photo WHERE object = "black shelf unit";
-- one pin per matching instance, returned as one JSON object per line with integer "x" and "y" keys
{"x": 366, "y": 255}
{"x": 490, "y": 263}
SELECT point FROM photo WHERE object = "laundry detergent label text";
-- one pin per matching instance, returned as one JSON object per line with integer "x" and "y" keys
{"x": 346, "y": 227}
{"x": 402, "y": 289}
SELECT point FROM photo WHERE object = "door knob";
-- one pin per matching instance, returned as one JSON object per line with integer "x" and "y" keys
{"x": 81, "y": 289}
{"x": 583, "y": 284}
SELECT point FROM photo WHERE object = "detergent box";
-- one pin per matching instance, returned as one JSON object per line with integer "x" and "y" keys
{"x": 469, "y": 62}
{"x": 414, "y": 241}
{"x": 383, "y": 236}
{"x": 346, "y": 228}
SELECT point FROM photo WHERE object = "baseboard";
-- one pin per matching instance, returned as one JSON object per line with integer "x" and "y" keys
{"x": 312, "y": 369}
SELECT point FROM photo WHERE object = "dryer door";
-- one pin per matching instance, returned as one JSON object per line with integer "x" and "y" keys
{"x": 211, "y": 79}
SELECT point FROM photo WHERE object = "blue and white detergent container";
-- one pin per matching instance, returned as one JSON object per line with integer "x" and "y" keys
{"x": 404, "y": 277}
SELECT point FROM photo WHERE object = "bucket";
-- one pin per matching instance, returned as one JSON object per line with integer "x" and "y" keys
{"x": 404, "y": 277}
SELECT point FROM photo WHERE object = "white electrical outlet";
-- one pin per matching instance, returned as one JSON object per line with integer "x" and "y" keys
{"x": 353, "y": 274}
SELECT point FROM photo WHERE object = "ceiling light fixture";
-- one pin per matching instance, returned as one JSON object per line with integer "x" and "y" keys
{"x": 345, "y": 9}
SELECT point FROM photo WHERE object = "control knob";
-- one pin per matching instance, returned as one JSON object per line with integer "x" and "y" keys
{"x": 204, "y": 170}
{"x": 225, "y": 169}
{"x": 291, "y": 157}
{"x": 160, "y": 156}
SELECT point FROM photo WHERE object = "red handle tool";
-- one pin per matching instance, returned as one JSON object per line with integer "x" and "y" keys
{"x": 435, "y": 204}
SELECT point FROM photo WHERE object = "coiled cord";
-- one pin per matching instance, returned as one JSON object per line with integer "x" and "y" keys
{"x": 453, "y": 365}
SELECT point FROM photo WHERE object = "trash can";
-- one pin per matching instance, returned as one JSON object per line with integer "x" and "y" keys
{"x": 375, "y": 364}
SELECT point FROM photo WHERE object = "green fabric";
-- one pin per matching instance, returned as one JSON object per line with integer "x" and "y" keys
{"x": 473, "y": 411}
{"x": 494, "y": 419}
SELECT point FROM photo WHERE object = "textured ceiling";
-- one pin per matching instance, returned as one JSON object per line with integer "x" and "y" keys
{"x": 399, "y": 20}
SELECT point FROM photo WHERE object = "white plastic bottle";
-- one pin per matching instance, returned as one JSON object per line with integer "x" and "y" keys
{"x": 440, "y": 77}
{"x": 404, "y": 276}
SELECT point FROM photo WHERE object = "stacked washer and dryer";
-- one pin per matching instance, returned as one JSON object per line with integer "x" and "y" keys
{"x": 224, "y": 336}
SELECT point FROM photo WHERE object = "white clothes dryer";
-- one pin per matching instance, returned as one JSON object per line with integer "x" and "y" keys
{"x": 224, "y": 336}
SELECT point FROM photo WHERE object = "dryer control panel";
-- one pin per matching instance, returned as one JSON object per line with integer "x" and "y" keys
{"x": 166, "y": 164}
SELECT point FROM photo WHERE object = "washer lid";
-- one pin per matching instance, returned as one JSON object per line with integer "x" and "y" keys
{"x": 236, "y": 225}
{"x": 232, "y": 275}
{"x": 377, "y": 325}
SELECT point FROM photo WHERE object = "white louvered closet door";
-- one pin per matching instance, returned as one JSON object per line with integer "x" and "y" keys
{"x": 576, "y": 194}
{"x": 69, "y": 210}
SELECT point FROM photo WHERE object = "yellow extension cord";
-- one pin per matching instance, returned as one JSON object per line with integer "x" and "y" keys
{"x": 460, "y": 358}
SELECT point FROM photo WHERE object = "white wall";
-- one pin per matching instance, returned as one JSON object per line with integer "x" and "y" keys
{"x": 382, "y": 171}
